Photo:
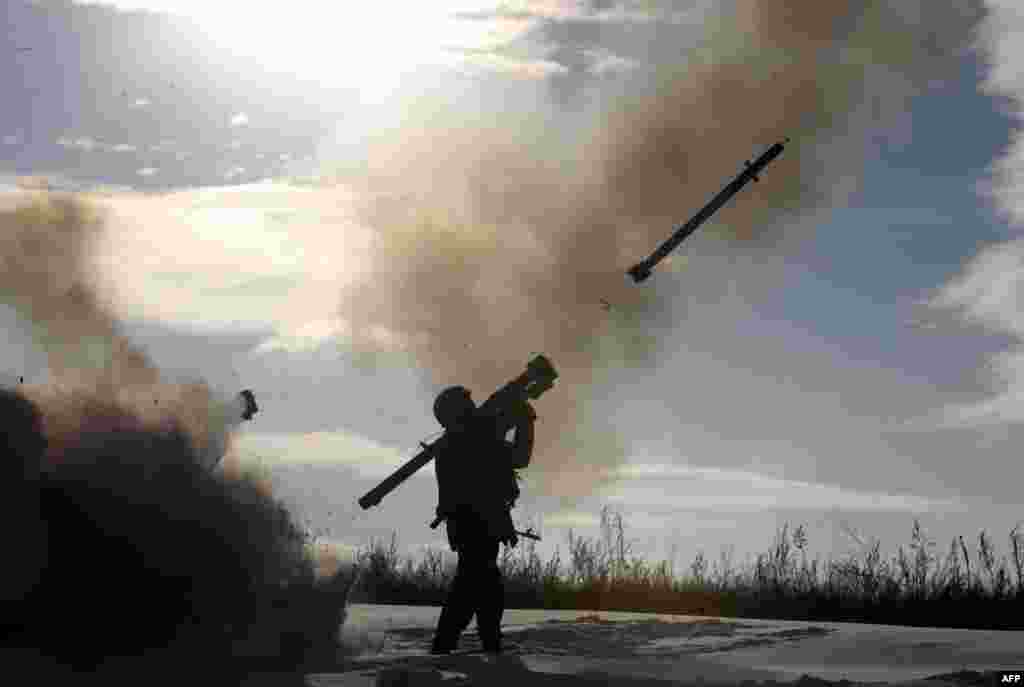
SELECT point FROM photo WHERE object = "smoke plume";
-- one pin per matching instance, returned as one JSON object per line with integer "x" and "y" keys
{"x": 109, "y": 488}
{"x": 100, "y": 382}
{"x": 510, "y": 233}
{"x": 132, "y": 556}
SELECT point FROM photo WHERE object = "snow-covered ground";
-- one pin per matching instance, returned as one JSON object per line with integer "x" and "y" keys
{"x": 577, "y": 648}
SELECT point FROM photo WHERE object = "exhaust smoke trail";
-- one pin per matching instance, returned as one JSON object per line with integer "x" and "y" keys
{"x": 499, "y": 236}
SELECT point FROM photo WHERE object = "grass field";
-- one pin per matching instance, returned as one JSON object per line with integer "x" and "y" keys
{"x": 970, "y": 586}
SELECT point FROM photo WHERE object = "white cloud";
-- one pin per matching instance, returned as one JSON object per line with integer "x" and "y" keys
{"x": 989, "y": 291}
{"x": 123, "y": 148}
{"x": 110, "y": 189}
{"x": 305, "y": 337}
{"x": 637, "y": 519}
{"x": 160, "y": 146}
{"x": 147, "y": 171}
{"x": 83, "y": 143}
{"x": 141, "y": 102}
{"x": 240, "y": 119}
{"x": 234, "y": 173}
{"x": 52, "y": 182}
{"x": 371, "y": 459}
{"x": 1004, "y": 375}
{"x": 604, "y": 63}
{"x": 309, "y": 336}
{"x": 685, "y": 487}
{"x": 524, "y": 69}
{"x": 571, "y": 518}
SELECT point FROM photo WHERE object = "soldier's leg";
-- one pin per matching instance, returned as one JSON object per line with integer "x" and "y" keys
{"x": 491, "y": 604}
{"x": 458, "y": 609}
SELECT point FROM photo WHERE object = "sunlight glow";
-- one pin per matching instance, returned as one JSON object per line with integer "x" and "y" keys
{"x": 369, "y": 47}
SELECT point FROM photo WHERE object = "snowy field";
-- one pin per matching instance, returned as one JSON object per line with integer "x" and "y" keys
{"x": 575, "y": 648}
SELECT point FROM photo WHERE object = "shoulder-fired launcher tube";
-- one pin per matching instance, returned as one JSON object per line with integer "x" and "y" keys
{"x": 374, "y": 496}
{"x": 540, "y": 376}
{"x": 642, "y": 270}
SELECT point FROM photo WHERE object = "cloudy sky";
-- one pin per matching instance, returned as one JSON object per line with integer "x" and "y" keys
{"x": 347, "y": 207}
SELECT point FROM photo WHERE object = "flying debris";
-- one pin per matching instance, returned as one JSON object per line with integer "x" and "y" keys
{"x": 249, "y": 400}
{"x": 642, "y": 270}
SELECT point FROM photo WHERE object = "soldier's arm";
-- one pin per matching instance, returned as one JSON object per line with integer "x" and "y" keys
{"x": 444, "y": 506}
{"x": 522, "y": 445}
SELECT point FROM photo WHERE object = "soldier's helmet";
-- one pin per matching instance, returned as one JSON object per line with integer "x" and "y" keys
{"x": 453, "y": 405}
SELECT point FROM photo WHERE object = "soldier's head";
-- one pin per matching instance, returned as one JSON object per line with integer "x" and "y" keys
{"x": 453, "y": 406}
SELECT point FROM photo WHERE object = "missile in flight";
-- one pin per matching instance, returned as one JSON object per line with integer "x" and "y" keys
{"x": 642, "y": 270}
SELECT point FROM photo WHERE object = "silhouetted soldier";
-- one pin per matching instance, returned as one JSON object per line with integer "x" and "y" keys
{"x": 476, "y": 486}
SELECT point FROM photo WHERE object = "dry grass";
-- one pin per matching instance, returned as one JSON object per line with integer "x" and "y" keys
{"x": 916, "y": 586}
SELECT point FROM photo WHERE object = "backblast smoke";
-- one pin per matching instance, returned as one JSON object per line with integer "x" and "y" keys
{"x": 127, "y": 544}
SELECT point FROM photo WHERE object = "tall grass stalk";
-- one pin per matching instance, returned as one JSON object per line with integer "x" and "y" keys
{"x": 916, "y": 586}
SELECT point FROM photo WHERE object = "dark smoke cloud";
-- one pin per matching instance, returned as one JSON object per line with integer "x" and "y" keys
{"x": 140, "y": 558}
{"x": 500, "y": 235}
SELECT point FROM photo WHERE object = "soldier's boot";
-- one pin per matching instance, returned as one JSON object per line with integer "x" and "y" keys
{"x": 443, "y": 642}
{"x": 488, "y": 628}
{"x": 491, "y": 641}
{"x": 440, "y": 649}
{"x": 450, "y": 626}
{"x": 491, "y": 608}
